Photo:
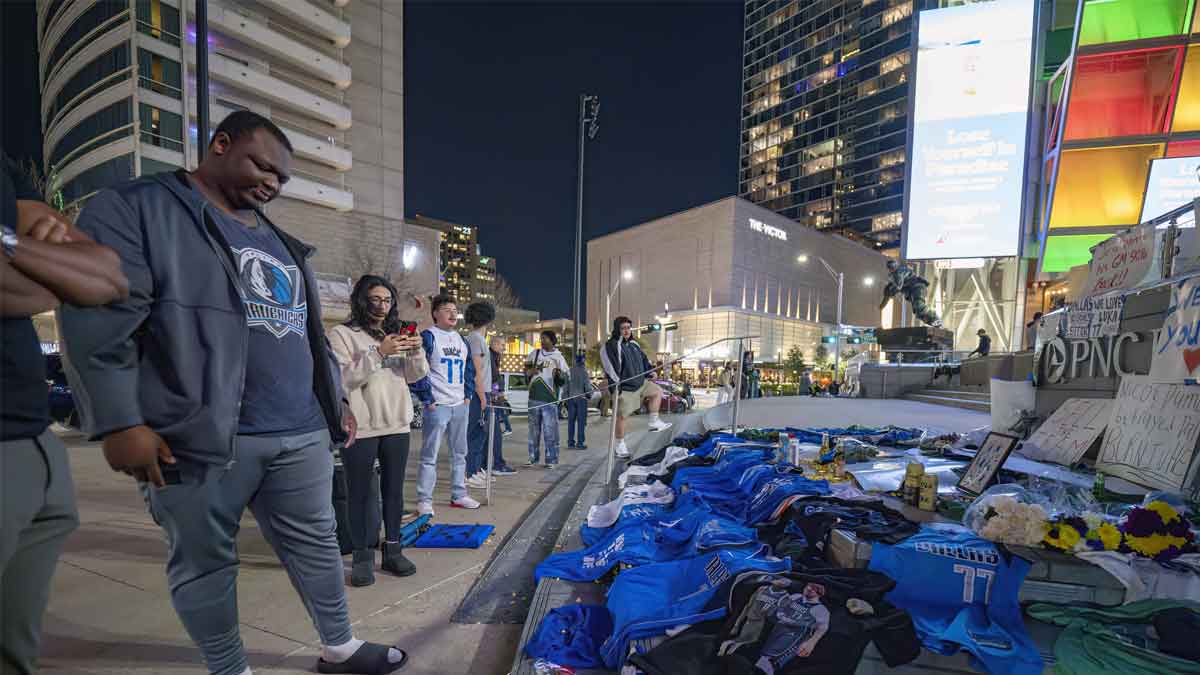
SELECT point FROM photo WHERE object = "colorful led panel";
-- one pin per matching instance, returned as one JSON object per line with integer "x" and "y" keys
{"x": 1183, "y": 149}
{"x": 1063, "y": 253}
{"x": 1187, "y": 108}
{"x": 1121, "y": 20}
{"x": 1102, "y": 187}
{"x": 1122, "y": 94}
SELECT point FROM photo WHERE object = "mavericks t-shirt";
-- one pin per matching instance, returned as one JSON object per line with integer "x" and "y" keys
{"x": 279, "y": 398}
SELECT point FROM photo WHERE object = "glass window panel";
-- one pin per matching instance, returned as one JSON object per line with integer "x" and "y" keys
{"x": 1063, "y": 253}
{"x": 1102, "y": 187}
{"x": 1120, "y": 20}
{"x": 1187, "y": 109}
{"x": 1124, "y": 94}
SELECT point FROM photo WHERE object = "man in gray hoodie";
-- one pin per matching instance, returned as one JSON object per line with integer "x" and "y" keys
{"x": 214, "y": 386}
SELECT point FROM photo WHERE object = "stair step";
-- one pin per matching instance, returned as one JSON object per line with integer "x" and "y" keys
{"x": 949, "y": 393}
{"x": 964, "y": 403}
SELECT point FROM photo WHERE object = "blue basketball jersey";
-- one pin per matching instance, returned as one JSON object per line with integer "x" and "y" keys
{"x": 962, "y": 595}
{"x": 649, "y": 600}
{"x": 676, "y": 536}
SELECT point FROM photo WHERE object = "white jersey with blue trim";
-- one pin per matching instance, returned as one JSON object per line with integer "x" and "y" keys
{"x": 448, "y": 354}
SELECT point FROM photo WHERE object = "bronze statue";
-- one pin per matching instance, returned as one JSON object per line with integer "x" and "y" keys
{"x": 902, "y": 280}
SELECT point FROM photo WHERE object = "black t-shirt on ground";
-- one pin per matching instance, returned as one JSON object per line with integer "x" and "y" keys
{"x": 24, "y": 397}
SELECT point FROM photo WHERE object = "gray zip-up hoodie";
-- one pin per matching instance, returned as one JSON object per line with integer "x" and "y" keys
{"x": 173, "y": 356}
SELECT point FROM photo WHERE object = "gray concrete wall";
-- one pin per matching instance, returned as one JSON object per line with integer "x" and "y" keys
{"x": 888, "y": 381}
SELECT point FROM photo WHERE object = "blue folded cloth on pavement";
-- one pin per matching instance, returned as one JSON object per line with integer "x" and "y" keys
{"x": 454, "y": 536}
{"x": 571, "y": 636}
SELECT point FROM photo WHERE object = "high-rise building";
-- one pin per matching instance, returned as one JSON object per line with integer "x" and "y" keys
{"x": 119, "y": 100}
{"x": 824, "y": 113}
{"x": 459, "y": 257}
{"x": 485, "y": 278}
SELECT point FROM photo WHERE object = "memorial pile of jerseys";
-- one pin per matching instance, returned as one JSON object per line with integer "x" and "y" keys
{"x": 717, "y": 553}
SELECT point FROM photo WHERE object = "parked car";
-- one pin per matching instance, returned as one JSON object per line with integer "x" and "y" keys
{"x": 516, "y": 389}
{"x": 676, "y": 398}
{"x": 62, "y": 403}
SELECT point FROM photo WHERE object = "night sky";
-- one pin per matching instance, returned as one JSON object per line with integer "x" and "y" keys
{"x": 491, "y": 115}
{"x": 492, "y": 106}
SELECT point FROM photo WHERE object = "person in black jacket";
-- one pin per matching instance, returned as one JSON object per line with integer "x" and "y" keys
{"x": 985, "y": 344}
{"x": 628, "y": 369}
{"x": 215, "y": 386}
{"x": 45, "y": 263}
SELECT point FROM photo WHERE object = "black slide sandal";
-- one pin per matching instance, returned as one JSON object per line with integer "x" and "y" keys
{"x": 370, "y": 659}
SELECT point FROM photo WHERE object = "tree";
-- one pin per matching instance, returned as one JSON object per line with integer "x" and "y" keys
{"x": 822, "y": 356}
{"x": 503, "y": 294}
{"x": 794, "y": 363}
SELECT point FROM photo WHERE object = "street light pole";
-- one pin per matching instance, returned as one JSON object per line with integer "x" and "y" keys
{"x": 201, "y": 79}
{"x": 584, "y": 101}
{"x": 837, "y": 341}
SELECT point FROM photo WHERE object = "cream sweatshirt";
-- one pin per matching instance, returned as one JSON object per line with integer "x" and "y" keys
{"x": 378, "y": 393}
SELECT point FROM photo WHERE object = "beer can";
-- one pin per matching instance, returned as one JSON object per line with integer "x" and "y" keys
{"x": 911, "y": 492}
{"x": 929, "y": 490}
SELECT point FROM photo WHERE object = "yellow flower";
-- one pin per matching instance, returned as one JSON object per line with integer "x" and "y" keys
{"x": 1109, "y": 535}
{"x": 1063, "y": 537}
{"x": 1154, "y": 544}
{"x": 1164, "y": 511}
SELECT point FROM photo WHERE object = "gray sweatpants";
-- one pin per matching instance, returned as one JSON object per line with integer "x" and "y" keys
{"x": 37, "y": 512}
{"x": 288, "y": 483}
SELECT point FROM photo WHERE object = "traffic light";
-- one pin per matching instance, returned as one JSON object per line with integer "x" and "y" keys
{"x": 854, "y": 340}
{"x": 829, "y": 339}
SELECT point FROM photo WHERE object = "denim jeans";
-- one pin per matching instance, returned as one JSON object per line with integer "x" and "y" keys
{"x": 577, "y": 410}
{"x": 543, "y": 424}
{"x": 451, "y": 422}
{"x": 476, "y": 438}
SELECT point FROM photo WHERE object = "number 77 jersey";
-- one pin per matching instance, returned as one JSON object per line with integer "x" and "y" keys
{"x": 961, "y": 592}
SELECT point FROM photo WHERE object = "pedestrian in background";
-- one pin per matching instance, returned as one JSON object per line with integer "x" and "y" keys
{"x": 1031, "y": 331}
{"x": 377, "y": 365}
{"x": 452, "y": 384}
{"x": 214, "y": 385}
{"x": 629, "y": 373}
{"x": 500, "y": 405}
{"x": 479, "y": 316}
{"x": 46, "y": 262}
{"x": 547, "y": 370}
{"x": 579, "y": 391}
{"x": 725, "y": 385}
{"x": 985, "y": 344}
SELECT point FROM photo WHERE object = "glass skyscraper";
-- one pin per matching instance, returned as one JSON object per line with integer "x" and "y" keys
{"x": 824, "y": 113}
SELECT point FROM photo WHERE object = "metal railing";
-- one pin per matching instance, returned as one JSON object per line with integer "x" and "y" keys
{"x": 616, "y": 402}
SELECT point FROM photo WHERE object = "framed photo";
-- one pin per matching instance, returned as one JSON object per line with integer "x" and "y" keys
{"x": 987, "y": 462}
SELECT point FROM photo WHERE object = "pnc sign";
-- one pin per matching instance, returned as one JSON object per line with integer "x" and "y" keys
{"x": 1064, "y": 360}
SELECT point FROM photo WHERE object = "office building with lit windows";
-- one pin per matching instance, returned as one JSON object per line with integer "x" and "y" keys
{"x": 485, "y": 278}
{"x": 459, "y": 246}
{"x": 119, "y": 100}
{"x": 731, "y": 268}
{"x": 824, "y": 113}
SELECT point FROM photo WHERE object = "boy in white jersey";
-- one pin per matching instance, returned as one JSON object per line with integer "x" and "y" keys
{"x": 452, "y": 381}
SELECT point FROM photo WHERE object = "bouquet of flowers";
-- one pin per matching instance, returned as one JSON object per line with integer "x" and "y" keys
{"x": 1010, "y": 521}
{"x": 1156, "y": 530}
{"x": 1087, "y": 532}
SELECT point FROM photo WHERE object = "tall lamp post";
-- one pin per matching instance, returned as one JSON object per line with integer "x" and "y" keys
{"x": 627, "y": 275}
{"x": 589, "y": 114}
{"x": 840, "y": 278}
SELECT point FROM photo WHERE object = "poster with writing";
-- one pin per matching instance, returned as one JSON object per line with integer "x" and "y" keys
{"x": 1176, "y": 355}
{"x": 1094, "y": 317}
{"x": 1123, "y": 261}
{"x": 1066, "y": 437}
{"x": 1151, "y": 436}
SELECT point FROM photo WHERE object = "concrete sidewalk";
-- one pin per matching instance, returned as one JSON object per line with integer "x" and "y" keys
{"x": 110, "y": 612}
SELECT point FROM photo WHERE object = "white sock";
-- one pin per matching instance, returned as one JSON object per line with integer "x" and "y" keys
{"x": 343, "y": 652}
{"x": 247, "y": 671}
{"x": 621, "y": 445}
{"x": 654, "y": 418}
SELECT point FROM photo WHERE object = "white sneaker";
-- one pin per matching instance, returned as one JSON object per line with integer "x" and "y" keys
{"x": 425, "y": 508}
{"x": 622, "y": 452}
{"x": 477, "y": 482}
{"x": 464, "y": 503}
{"x": 659, "y": 425}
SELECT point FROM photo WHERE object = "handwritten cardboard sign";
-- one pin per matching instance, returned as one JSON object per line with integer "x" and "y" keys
{"x": 1176, "y": 355}
{"x": 1094, "y": 317}
{"x": 1151, "y": 436}
{"x": 1122, "y": 261}
{"x": 1066, "y": 437}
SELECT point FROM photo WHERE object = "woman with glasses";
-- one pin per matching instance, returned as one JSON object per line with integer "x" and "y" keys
{"x": 379, "y": 358}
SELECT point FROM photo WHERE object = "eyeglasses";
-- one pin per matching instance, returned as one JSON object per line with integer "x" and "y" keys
{"x": 379, "y": 301}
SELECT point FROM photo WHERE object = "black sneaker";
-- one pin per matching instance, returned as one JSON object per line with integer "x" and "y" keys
{"x": 504, "y": 471}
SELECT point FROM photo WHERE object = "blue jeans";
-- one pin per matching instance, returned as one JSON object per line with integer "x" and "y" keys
{"x": 449, "y": 421}
{"x": 543, "y": 423}
{"x": 502, "y": 417}
{"x": 577, "y": 410}
{"x": 476, "y": 438}
{"x": 288, "y": 484}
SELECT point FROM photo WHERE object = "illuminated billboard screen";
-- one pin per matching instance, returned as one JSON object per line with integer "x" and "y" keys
{"x": 965, "y": 194}
{"x": 1173, "y": 183}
